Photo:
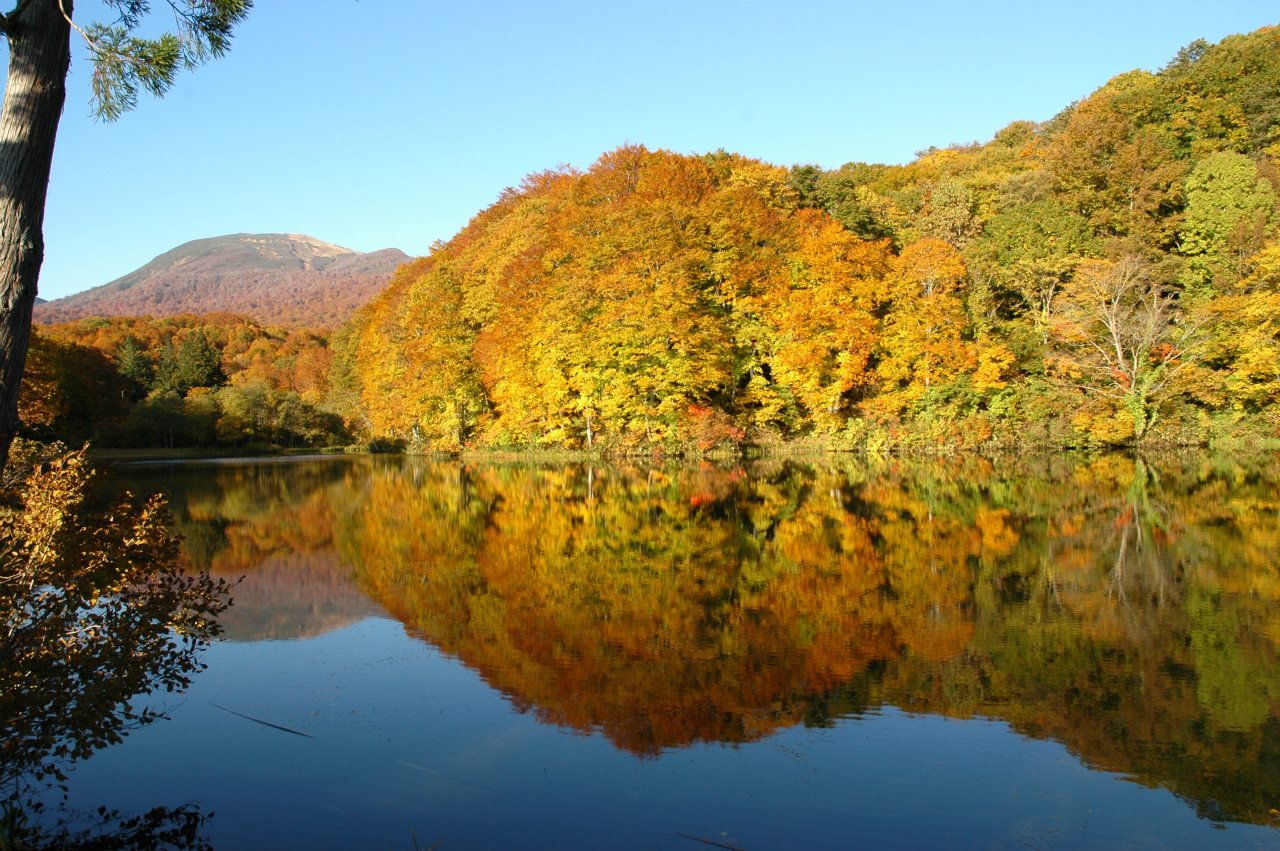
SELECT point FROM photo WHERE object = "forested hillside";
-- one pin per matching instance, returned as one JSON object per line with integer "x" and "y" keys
{"x": 201, "y": 381}
{"x": 1111, "y": 275}
{"x": 277, "y": 279}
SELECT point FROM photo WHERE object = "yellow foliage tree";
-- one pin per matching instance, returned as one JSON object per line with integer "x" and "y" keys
{"x": 821, "y": 314}
{"x": 924, "y": 344}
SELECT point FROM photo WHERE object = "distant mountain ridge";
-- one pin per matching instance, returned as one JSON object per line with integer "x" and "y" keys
{"x": 278, "y": 279}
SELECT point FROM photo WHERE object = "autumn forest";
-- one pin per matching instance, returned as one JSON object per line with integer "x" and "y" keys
{"x": 1108, "y": 277}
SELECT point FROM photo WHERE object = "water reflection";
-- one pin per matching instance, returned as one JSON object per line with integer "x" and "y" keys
{"x": 99, "y": 621}
{"x": 270, "y": 527}
{"x": 1127, "y": 608}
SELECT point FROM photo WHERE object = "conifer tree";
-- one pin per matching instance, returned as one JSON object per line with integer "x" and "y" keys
{"x": 166, "y": 376}
{"x": 134, "y": 367}
{"x": 199, "y": 363}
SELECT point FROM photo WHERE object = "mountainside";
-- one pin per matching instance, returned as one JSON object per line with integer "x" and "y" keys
{"x": 278, "y": 279}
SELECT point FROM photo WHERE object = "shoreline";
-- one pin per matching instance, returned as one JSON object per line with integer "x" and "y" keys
{"x": 800, "y": 452}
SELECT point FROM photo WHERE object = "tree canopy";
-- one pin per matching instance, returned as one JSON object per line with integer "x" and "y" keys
{"x": 1090, "y": 280}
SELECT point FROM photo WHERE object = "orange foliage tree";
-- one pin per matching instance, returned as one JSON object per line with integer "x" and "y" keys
{"x": 595, "y": 308}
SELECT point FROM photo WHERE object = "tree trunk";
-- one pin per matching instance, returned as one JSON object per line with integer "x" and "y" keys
{"x": 39, "y": 56}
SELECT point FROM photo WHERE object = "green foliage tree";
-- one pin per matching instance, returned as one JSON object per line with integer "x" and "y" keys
{"x": 1230, "y": 212}
{"x": 949, "y": 213}
{"x": 166, "y": 371}
{"x": 195, "y": 362}
{"x": 1031, "y": 250}
{"x": 134, "y": 367}
{"x": 199, "y": 363}
{"x": 255, "y": 413}
{"x": 157, "y": 420}
{"x": 1123, "y": 177}
{"x": 200, "y": 412}
{"x": 847, "y": 195}
{"x": 1226, "y": 96}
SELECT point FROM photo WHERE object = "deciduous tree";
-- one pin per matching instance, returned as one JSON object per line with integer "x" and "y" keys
{"x": 95, "y": 610}
{"x": 1124, "y": 338}
{"x": 923, "y": 340}
{"x": 1230, "y": 210}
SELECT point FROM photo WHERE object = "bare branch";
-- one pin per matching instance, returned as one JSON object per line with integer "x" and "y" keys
{"x": 9, "y": 21}
{"x": 1124, "y": 335}
{"x": 84, "y": 35}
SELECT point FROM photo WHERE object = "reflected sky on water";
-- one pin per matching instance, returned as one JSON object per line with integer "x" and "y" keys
{"x": 1072, "y": 653}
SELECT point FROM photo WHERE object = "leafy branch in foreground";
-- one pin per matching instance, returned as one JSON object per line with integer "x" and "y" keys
{"x": 176, "y": 828}
{"x": 94, "y": 612}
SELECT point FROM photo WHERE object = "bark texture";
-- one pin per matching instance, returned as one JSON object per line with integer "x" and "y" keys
{"x": 39, "y": 55}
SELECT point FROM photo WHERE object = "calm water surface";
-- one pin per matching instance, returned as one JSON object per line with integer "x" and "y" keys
{"x": 1079, "y": 653}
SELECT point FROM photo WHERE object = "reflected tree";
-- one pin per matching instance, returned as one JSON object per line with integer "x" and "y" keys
{"x": 1131, "y": 613}
{"x": 1126, "y": 607}
{"x": 95, "y": 612}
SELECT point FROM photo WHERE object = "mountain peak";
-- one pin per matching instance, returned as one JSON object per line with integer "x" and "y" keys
{"x": 287, "y": 279}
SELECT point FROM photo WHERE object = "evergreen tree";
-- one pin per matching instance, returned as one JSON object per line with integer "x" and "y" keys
{"x": 199, "y": 363}
{"x": 166, "y": 374}
{"x": 195, "y": 362}
{"x": 134, "y": 367}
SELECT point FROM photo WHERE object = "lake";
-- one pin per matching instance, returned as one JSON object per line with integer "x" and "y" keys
{"x": 1055, "y": 654}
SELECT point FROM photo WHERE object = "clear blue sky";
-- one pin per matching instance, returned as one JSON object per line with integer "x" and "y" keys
{"x": 387, "y": 123}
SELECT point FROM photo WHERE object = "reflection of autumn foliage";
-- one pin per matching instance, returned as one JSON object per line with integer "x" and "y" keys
{"x": 295, "y": 596}
{"x": 660, "y": 607}
{"x": 1136, "y": 623}
{"x": 1130, "y": 610}
{"x": 1128, "y": 614}
{"x": 304, "y": 528}
{"x": 269, "y": 529}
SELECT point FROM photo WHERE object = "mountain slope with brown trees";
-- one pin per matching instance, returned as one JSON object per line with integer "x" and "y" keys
{"x": 277, "y": 279}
